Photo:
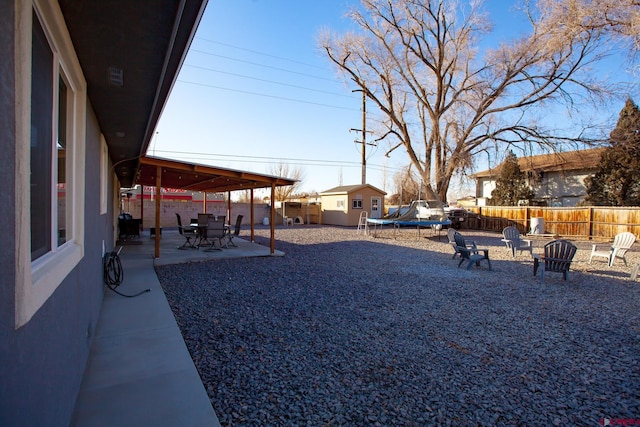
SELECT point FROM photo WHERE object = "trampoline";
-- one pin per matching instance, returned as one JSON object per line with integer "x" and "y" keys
{"x": 419, "y": 214}
{"x": 378, "y": 223}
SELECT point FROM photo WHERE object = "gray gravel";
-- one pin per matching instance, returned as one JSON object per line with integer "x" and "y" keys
{"x": 353, "y": 330}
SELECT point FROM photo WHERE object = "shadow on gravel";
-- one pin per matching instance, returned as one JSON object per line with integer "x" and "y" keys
{"x": 359, "y": 332}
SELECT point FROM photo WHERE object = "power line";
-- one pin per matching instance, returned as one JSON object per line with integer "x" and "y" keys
{"x": 266, "y": 80}
{"x": 262, "y": 65}
{"x": 254, "y": 157}
{"x": 266, "y": 95}
{"x": 270, "y": 160}
{"x": 269, "y": 81}
{"x": 261, "y": 53}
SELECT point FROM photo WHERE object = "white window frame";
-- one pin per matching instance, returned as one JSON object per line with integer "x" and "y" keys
{"x": 104, "y": 175}
{"x": 36, "y": 281}
{"x": 356, "y": 204}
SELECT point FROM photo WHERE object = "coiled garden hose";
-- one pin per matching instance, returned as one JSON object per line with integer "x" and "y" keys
{"x": 113, "y": 273}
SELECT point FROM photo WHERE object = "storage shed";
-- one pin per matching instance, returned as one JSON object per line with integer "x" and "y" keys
{"x": 343, "y": 205}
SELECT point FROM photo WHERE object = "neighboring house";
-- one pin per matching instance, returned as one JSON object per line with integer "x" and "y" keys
{"x": 343, "y": 205}
{"x": 557, "y": 179}
{"x": 83, "y": 85}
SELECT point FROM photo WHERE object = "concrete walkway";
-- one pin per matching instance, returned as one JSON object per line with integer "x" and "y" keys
{"x": 139, "y": 371}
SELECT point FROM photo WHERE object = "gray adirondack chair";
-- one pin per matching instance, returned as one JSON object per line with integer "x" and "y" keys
{"x": 558, "y": 255}
{"x": 471, "y": 254}
{"x": 513, "y": 241}
{"x": 469, "y": 244}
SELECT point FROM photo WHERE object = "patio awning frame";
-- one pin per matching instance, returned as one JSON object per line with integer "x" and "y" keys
{"x": 159, "y": 172}
{"x": 204, "y": 178}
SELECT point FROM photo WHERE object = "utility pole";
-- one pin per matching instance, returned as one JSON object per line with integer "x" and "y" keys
{"x": 364, "y": 135}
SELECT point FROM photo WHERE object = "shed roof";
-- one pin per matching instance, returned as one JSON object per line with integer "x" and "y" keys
{"x": 553, "y": 162}
{"x": 347, "y": 189}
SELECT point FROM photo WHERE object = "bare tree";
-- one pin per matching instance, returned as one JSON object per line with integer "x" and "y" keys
{"x": 445, "y": 101}
{"x": 284, "y": 170}
{"x": 407, "y": 186}
{"x": 619, "y": 18}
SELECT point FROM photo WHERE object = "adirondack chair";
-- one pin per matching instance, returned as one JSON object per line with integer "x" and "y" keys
{"x": 470, "y": 244}
{"x": 513, "y": 241}
{"x": 472, "y": 255}
{"x": 558, "y": 255}
{"x": 622, "y": 242}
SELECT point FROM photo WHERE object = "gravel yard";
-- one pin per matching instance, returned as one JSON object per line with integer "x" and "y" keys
{"x": 350, "y": 330}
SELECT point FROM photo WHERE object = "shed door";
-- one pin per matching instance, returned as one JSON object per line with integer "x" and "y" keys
{"x": 375, "y": 207}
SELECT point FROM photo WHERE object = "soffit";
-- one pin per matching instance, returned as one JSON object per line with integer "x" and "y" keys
{"x": 130, "y": 53}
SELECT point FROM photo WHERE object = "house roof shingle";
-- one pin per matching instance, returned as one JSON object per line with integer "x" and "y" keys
{"x": 553, "y": 162}
{"x": 346, "y": 189}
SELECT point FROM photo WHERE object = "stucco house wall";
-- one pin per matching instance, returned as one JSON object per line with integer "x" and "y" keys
{"x": 43, "y": 360}
{"x": 343, "y": 205}
{"x": 556, "y": 179}
{"x": 562, "y": 189}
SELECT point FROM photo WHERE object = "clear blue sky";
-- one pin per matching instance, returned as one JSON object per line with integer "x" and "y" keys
{"x": 255, "y": 91}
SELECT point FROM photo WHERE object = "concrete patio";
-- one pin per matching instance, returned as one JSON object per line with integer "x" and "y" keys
{"x": 139, "y": 370}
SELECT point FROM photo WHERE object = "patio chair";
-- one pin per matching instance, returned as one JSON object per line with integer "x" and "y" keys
{"x": 216, "y": 232}
{"x": 187, "y": 232}
{"x": 472, "y": 255}
{"x": 513, "y": 241}
{"x": 470, "y": 244}
{"x": 622, "y": 242}
{"x": 236, "y": 231}
{"x": 558, "y": 255}
{"x": 202, "y": 219}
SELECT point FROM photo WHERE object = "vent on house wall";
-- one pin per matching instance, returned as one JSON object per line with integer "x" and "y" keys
{"x": 116, "y": 76}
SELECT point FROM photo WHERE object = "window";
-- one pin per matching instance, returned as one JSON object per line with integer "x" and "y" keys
{"x": 104, "y": 175}
{"x": 50, "y": 133}
{"x": 357, "y": 204}
{"x": 41, "y": 137}
{"x": 48, "y": 148}
{"x": 340, "y": 203}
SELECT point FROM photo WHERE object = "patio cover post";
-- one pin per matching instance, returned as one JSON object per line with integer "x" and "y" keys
{"x": 158, "y": 184}
{"x": 142, "y": 207}
{"x": 204, "y": 203}
{"x": 273, "y": 219}
{"x": 229, "y": 207}
{"x": 251, "y": 221}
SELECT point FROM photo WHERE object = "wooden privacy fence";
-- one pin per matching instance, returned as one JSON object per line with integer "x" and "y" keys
{"x": 589, "y": 222}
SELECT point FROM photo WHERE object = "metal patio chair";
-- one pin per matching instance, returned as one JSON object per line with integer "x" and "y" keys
{"x": 216, "y": 232}
{"x": 188, "y": 233}
{"x": 236, "y": 231}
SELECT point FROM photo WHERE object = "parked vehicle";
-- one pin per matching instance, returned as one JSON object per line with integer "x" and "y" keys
{"x": 457, "y": 215}
{"x": 429, "y": 209}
